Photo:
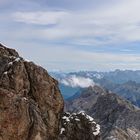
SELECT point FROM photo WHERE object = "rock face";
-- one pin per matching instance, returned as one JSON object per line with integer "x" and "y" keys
{"x": 118, "y": 118}
{"x": 30, "y": 101}
{"x": 31, "y": 105}
{"x": 79, "y": 126}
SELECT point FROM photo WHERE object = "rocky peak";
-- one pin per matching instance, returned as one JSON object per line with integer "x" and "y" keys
{"x": 4, "y": 51}
{"x": 118, "y": 118}
{"x": 79, "y": 126}
{"x": 30, "y": 101}
{"x": 31, "y": 105}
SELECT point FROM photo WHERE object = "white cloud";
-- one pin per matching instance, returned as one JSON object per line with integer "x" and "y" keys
{"x": 39, "y": 17}
{"x": 116, "y": 23}
{"x": 77, "y": 81}
{"x": 111, "y": 24}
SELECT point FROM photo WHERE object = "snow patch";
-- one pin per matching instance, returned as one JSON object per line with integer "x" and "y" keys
{"x": 97, "y": 130}
{"x": 10, "y": 63}
{"x": 87, "y": 116}
{"x": 12, "y": 57}
{"x": 5, "y": 73}
{"x": 81, "y": 112}
{"x": 17, "y": 59}
{"x": 62, "y": 130}
{"x": 66, "y": 118}
{"x": 24, "y": 98}
{"x": 77, "y": 119}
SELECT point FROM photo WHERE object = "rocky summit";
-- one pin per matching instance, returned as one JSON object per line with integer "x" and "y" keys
{"x": 79, "y": 126}
{"x": 31, "y": 105}
{"x": 117, "y": 117}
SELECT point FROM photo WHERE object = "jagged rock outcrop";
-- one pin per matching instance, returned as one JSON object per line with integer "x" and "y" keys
{"x": 30, "y": 101}
{"x": 78, "y": 126}
{"x": 31, "y": 105}
{"x": 118, "y": 118}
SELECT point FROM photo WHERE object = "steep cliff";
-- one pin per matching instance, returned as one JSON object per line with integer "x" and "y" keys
{"x": 31, "y": 106}
{"x": 30, "y": 101}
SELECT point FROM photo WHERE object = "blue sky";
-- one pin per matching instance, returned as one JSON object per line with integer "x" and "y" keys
{"x": 71, "y": 35}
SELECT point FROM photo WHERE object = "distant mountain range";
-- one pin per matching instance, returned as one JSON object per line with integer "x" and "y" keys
{"x": 117, "y": 76}
{"x": 124, "y": 83}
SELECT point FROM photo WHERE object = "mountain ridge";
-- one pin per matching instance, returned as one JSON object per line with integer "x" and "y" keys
{"x": 116, "y": 116}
